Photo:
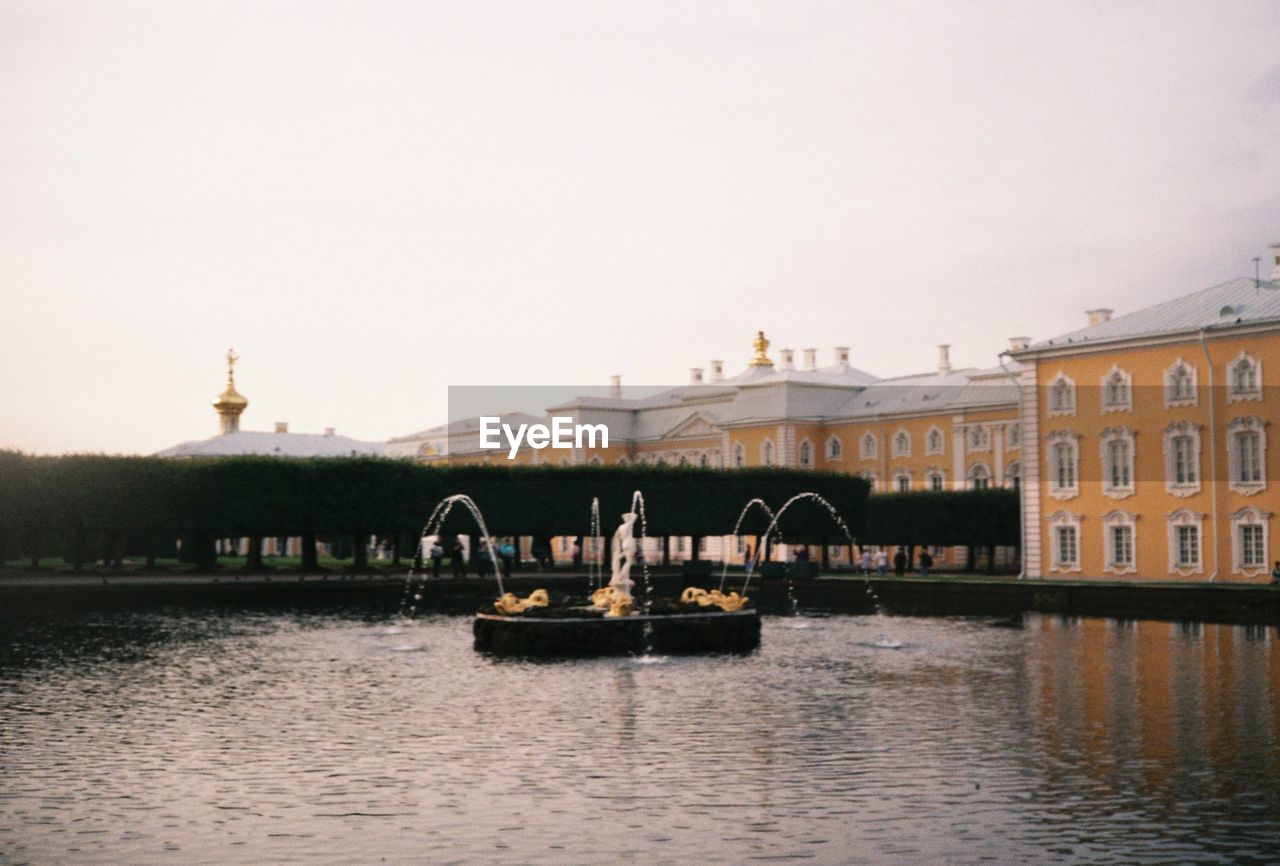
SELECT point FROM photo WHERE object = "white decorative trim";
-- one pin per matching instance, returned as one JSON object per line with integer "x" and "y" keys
{"x": 1060, "y": 396}
{"x": 1171, "y": 401}
{"x": 1181, "y": 518}
{"x": 1171, "y": 484}
{"x": 901, "y": 443}
{"x": 1124, "y": 379}
{"x": 1126, "y": 519}
{"x": 1063, "y": 520}
{"x": 1247, "y": 392}
{"x": 1249, "y": 516}
{"x": 1238, "y": 427}
{"x": 935, "y": 434}
{"x": 1070, "y": 440}
{"x": 1128, "y": 486}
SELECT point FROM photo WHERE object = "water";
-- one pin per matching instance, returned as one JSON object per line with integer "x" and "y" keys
{"x": 331, "y": 735}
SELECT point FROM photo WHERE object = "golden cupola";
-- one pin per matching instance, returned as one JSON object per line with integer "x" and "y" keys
{"x": 761, "y": 345}
{"x": 230, "y": 402}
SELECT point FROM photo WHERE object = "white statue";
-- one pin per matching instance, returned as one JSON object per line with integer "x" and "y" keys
{"x": 624, "y": 553}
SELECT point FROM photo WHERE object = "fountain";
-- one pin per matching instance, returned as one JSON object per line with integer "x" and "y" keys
{"x": 609, "y": 622}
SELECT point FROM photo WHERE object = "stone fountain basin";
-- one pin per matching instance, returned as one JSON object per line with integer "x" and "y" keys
{"x": 668, "y": 634}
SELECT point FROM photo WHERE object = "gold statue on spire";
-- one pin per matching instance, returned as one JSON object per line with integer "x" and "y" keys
{"x": 230, "y": 402}
{"x": 761, "y": 346}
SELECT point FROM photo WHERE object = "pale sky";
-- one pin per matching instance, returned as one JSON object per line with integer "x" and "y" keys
{"x": 372, "y": 201}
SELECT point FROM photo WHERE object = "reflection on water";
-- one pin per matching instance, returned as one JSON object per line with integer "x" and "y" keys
{"x": 259, "y": 736}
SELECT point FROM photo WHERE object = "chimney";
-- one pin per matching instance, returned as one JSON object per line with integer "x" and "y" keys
{"x": 615, "y": 386}
{"x": 282, "y": 426}
{"x": 944, "y": 359}
{"x": 1275, "y": 254}
{"x": 1017, "y": 344}
{"x": 1098, "y": 316}
{"x": 788, "y": 359}
{"x": 695, "y": 375}
{"x": 810, "y": 359}
{"x": 842, "y": 356}
{"x": 329, "y": 431}
{"x": 717, "y": 371}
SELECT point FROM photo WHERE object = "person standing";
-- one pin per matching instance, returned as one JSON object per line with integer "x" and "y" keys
{"x": 882, "y": 562}
{"x": 1275, "y": 574}
{"x": 900, "y": 562}
{"x": 458, "y": 558}
{"x": 926, "y": 562}
{"x": 864, "y": 562}
{"x": 507, "y": 553}
{"x": 437, "y": 557}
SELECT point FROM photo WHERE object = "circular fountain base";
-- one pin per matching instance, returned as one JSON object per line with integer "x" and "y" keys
{"x": 675, "y": 634}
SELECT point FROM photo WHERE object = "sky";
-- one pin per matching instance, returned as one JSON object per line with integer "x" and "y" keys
{"x": 372, "y": 201}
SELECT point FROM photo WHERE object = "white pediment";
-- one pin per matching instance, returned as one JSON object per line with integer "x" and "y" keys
{"x": 696, "y": 426}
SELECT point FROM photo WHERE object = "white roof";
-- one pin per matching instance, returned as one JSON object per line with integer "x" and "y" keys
{"x": 244, "y": 442}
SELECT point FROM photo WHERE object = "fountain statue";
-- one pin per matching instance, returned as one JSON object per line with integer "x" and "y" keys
{"x": 624, "y": 554}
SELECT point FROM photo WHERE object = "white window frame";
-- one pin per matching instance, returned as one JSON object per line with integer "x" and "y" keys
{"x": 1059, "y": 521}
{"x": 935, "y": 434}
{"x": 1114, "y": 520}
{"x": 801, "y": 460}
{"x": 1190, "y": 430}
{"x": 899, "y": 476}
{"x": 978, "y": 437}
{"x": 1124, "y": 379}
{"x": 1011, "y": 472}
{"x": 1060, "y": 384}
{"x": 868, "y": 446}
{"x": 1120, "y": 435}
{"x": 1246, "y": 425}
{"x": 1250, "y": 516}
{"x": 1235, "y": 395}
{"x": 835, "y": 447}
{"x": 1072, "y": 441}
{"x": 1185, "y": 517}
{"x": 935, "y": 472}
{"x": 971, "y": 476}
{"x": 901, "y": 443}
{"x": 739, "y": 455}
{"x": 1170, "y": 400}
{"x": 1013, "y": 436}
{"x": 768, "y": 452}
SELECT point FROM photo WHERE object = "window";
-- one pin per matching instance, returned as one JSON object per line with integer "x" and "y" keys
{"x": 739, "y": 456}
{"x": 1119, "y": 537}
{"x": 1064, "y": 482}
{"x": 1015, "y": 436}
{"x": 1013, "y": 476}
{"x": 766, "y": 453}
{"x": 1244, "y": 378}
{"x": 867, "y": 446}
{"x": 1117, "y": 391}
{"x": 835, "y": 448}
{"x": 1249, "y": 541}
{"x": 979, "y": 476}
{"x": 902, "y": 481}
{"x": 1182, "y": 458}
{"x": 1062, "y": 395}
{"x": 979, "y": 438}
{"x": 935, "y": 478}
{"x": 703, "y": 462}
{"x": 902, "y": 444}
{"x": 1246, "y": 450}
{"x": 1185, "y": 527}
{"x": 1180, "y": 384}
{"x": 933, "y": 441}
{"x": 1064, "y": 542}
{"x": 806, "y": 454}
{"x": 1117, "y": 462}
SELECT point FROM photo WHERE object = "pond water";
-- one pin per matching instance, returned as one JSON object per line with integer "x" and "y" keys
{"x": 215, "y": 735}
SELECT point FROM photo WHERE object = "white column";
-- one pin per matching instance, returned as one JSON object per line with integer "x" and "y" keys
{"x": 1032, "y": 554}
{"x": 958, "y": 440}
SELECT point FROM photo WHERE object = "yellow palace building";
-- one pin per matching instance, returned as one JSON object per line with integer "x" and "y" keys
{"x": 1139, "y": 441}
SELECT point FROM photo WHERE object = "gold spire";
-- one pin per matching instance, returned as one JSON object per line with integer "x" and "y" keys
{"x": 230, "y": 402}
{"x": 761, "y": 346}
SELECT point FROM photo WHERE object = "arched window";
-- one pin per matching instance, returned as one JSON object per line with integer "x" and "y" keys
{"x": 1117, "y": 391}
{"x": 979, "y": 438}
{"x": 1119, "y": 542}
{"x": 766, "y": 453}
{"x": 1062, "y": 395}
{"x": 835, "y": 448}
{"x": 935, "y": 478}
{"x": 1180, "y": 384}
{"x": 1249, "y": 541}
{"x": 1182, "y": 458}
{"x": 867, "y": 446}
{"x": 1117, "y": 462}
{"x": 806, "y": 454}
{"x": 1013, "y": 475}
{"x": 1064, "y": 542}
{"x": 979, "y": 476}
{"x": 902, "y": 481}
{"x": 739, "y": 456}
{"x": 933, "y": 441}
{"x": 1185, "y": 528}
{"x": 1246, "y": 452}
{"x": 902, "y": 444}
{"x": 1244, "y": 378}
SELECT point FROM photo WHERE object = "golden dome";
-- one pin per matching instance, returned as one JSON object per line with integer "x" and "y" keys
{"x": 230, "y": 402}
{"x": 761, "y": 345}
